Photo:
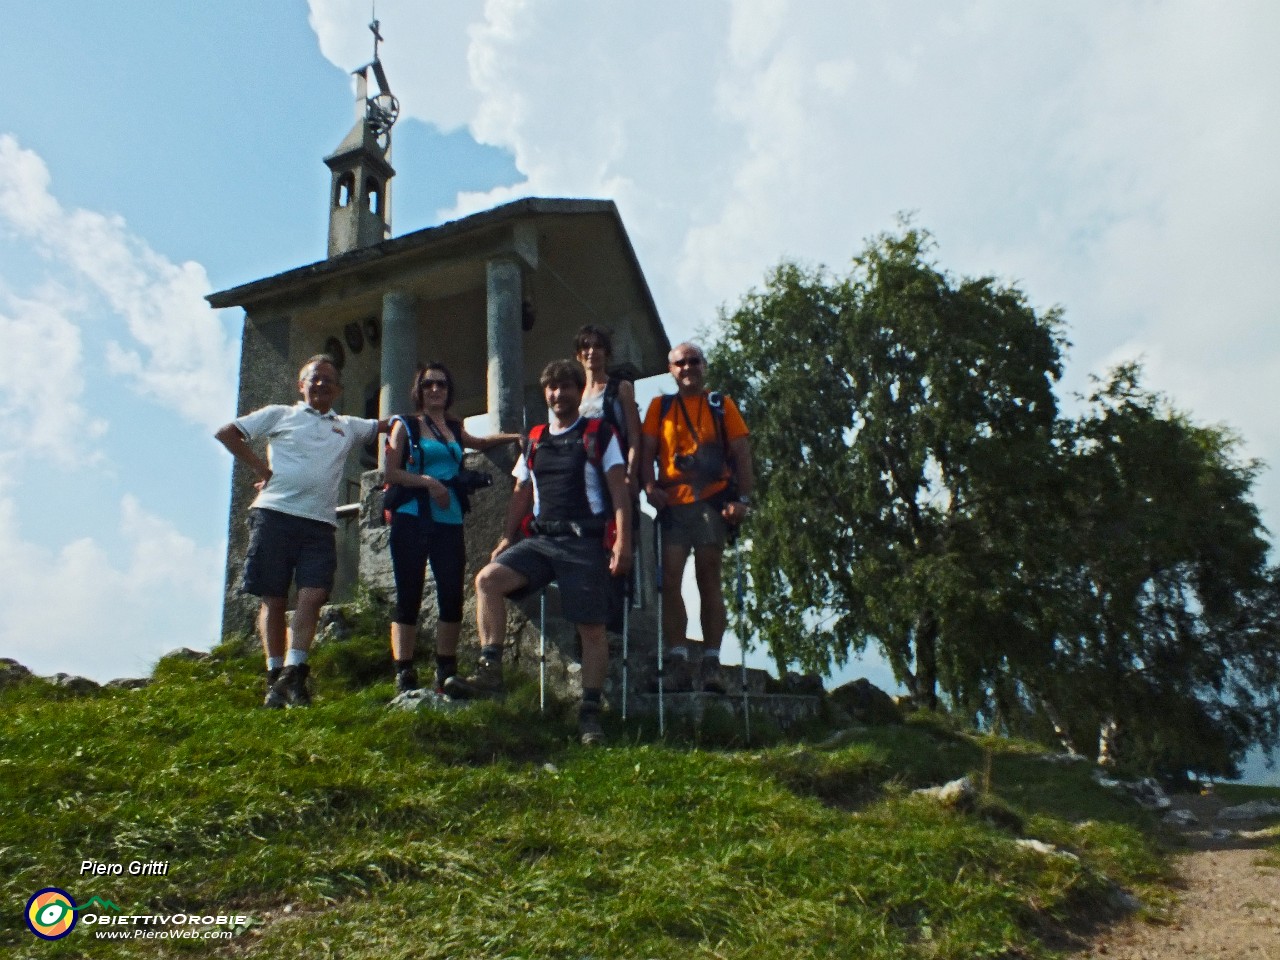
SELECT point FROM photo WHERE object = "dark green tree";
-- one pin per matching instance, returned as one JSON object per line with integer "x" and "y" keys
{"x": 917, "y": 490}
{"x": 902, "y": 423}
{"x": 1166, "y": 613}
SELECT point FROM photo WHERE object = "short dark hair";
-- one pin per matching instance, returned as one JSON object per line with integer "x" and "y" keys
{"x": 415, "y": 394}
{"x": 321, "y": 358}
{"x": 563, "y": 371}
{"x": 593, "y": 334}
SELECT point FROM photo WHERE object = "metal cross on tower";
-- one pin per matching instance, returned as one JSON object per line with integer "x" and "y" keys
{"x": 377, "y": 37}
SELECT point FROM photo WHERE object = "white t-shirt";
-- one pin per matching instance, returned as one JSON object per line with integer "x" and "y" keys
{"x": 307, "y": 452}
{"x": 597, "y": 492}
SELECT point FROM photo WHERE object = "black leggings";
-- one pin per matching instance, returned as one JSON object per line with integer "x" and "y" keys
{"x": 414, "y": 543}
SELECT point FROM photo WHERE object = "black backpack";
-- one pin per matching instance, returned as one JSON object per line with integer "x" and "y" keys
{"x": 609, "y": 412}
{"x": 394, "y": 495}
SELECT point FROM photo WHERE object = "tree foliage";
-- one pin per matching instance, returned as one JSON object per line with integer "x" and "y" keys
{"x": 919, "y": 490}
{"x": 1166, "y": 622}
{"x": 892, "y": 412}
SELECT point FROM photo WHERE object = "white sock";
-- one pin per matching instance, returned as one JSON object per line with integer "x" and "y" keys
{"x": 295, "y": 657}
{"x": 711, "y": 656}
{"x": 275, "y": 663}
{"x": 681, "y": 652}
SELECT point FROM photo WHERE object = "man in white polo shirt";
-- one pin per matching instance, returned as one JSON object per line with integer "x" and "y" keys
{"x": 293, "y": 519}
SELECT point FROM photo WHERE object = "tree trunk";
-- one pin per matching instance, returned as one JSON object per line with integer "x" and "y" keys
{"x": 1108, "y": 743}
{"x": 1059, "y": 728}
{"x": 926, "y": 693}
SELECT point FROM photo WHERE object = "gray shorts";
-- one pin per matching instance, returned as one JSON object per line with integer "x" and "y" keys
{"x": 579, "y": 565}
{"x": 285, "y": 548}
{"x": 693, "y": 525}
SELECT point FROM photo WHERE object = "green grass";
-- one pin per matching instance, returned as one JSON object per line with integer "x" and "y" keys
{"x": 348, "y": 830}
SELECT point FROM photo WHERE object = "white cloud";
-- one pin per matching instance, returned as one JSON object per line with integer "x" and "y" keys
{"x": 1115, "y": 158}
{"x": 425, "y": 50}
{"x": 79, "y": 608}
{"x": 40, "y": 394}
{"x": 179, "y": 355}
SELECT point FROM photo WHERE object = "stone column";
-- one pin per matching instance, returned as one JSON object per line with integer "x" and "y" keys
{"x": 399, "y": 352}
{"x": 266, "y": 376}
{"x": 506, "y": 345}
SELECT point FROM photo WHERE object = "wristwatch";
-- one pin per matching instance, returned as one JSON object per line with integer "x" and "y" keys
{"x": 744, "y": 500}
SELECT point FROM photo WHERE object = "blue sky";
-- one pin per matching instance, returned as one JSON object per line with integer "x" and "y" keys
{"x": 1114, "y": 158}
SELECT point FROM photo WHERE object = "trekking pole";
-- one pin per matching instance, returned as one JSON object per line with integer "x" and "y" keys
{"x": 542, "y": 651}
{"x": 742, "y": 642}
{"x": 657, "y": 535}
{"x": 626, "y": 636}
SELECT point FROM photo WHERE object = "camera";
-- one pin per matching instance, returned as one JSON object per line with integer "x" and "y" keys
{"x": 472, "y": 480}
{"x": 706, "y": 463}
{"x": 468, "y": 482}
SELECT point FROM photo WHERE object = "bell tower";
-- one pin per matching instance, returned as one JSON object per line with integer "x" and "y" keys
{"x": 360, "y": 187}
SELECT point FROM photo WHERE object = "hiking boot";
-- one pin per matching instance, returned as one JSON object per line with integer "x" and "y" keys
{"x": 712, "y": 677}
{"x": 590, "y": 732}
{"x": 290, "y": 688}
{"x": 273, "y": 675}
{"x": 677, "y": 676}
{"x": 406, "y": 680}
{"x": 485, "y": 682}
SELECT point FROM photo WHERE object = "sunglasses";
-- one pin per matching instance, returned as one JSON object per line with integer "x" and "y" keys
{"x": 687, "y": 362}
{"x": 429, "y": 384}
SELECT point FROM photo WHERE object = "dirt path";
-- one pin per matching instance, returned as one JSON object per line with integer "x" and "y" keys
{"x": 1229, "y": 901}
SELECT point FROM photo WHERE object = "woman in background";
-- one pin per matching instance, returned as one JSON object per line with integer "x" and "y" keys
{"x": 614, "y": 401}
{"x": 610, "y": 398}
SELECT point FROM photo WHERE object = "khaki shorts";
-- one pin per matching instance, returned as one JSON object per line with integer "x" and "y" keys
{"x": 693, "y": 525}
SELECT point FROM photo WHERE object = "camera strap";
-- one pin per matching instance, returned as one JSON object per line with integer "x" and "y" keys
{"x": 717, "y": 416}
{"x": 441, "y": 438}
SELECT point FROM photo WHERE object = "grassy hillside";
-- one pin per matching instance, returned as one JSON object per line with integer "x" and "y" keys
{"x": 348, "y": 830}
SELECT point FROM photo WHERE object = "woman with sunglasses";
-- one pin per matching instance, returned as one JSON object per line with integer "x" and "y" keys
{"x": 428, "y": 529}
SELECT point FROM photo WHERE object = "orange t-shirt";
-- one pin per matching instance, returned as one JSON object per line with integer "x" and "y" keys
{"x": 675, "y": 440}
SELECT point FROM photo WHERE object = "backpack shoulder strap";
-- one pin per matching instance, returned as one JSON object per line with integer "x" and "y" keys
{"x": 596, "y": 439}
{"x": 715, "y": 401}
{"x": 610, "y": 407}
{"x": 531, "y": 445}
{"x": 411, "y": 427}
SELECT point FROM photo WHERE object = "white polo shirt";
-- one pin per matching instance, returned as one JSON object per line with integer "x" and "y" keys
{"x": 307, "y": 452}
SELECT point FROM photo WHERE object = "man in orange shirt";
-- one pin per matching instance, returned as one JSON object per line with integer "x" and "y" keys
{"x": 699, "y": 442}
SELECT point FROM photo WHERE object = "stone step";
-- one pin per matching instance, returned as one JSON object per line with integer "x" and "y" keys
{"x": 784, "y": 709}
